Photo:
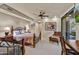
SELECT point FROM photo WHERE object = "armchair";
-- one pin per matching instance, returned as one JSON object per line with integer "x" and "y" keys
{"x": 55, "y": 37}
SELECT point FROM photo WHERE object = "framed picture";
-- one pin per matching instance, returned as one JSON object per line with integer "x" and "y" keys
{"x": 50, "y": 26}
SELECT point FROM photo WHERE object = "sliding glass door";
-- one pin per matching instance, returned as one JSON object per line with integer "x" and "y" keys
{"x": 76, "y": 11}
{"x": 68, "y": 25}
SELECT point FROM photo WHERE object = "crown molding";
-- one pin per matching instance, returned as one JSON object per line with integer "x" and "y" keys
{"x": 13, "y": 12}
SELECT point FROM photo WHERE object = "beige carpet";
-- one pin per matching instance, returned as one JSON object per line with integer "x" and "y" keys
{"x": 44, "y": 48}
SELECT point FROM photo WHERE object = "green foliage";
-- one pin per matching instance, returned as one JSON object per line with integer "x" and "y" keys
{"x": 73, "y": 33}
{"x": 77, "y": 18}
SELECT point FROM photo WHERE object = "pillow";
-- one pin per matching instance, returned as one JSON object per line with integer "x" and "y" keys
{"x": 16, "y": 32}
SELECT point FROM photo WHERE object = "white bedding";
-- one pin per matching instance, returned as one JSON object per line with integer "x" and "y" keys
{"x": 22, "y": 36}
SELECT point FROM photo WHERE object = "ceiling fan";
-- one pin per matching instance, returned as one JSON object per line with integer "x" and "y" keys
{"x": 42, "y": 14}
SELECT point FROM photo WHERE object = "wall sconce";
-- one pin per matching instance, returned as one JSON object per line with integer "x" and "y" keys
{"x": 7, "y": 28}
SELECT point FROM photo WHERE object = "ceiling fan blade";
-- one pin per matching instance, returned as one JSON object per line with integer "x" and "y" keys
{"x": 40, "y": 12}
{"x": 43, "y": 13}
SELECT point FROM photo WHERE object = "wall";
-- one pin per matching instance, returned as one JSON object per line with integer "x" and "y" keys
{"x": 77, "y": 31}
{"x": 7, "y": 20}
{"x": 58, "y": 28}
{"x": 46, "y": 34}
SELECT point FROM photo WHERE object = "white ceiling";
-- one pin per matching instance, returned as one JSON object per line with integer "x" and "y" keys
{"x": 51, "y": 9}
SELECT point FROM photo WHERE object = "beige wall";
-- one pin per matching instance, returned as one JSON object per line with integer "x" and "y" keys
{"x": 41, "y": 27}
{"x": 7, "y": 20}
{"x": 46, "y": 34}
{"x": 77, "y": 31}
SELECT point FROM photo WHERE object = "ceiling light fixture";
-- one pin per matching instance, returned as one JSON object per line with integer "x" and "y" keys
{"x": 42, "y": 14}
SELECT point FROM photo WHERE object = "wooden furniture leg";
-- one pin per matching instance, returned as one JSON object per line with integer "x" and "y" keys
{"x": 23, "y": 47}
{"x": 34, "y": 41}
